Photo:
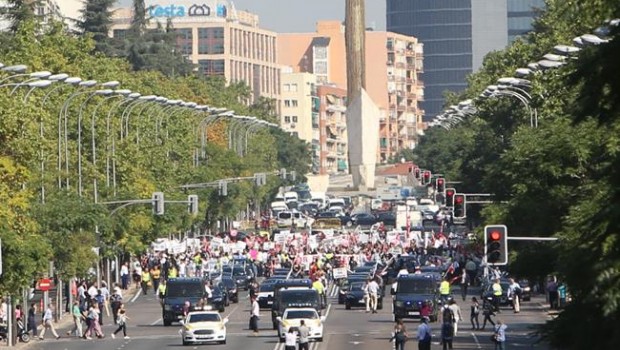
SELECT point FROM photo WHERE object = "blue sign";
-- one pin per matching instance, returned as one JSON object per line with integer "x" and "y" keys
{"x": 183, "y": 11}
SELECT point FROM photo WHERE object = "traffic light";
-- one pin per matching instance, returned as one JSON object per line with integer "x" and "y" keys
{"x": 450, "y": 192}
{"x": 293, "y": 175}
{"x": 283, "y": 174}
{"x": 460, "y": 206}
{"x": 426, "y": 177}
{"x": 417, "y": 173}
{"x": 260, "y": 178}
{"x": 192, "y": 204}
{"x": 496, "y": 244}
{"x": 440, "y": 185}
{"x": 223, "y": 188}
{"x": 157, "y": 201}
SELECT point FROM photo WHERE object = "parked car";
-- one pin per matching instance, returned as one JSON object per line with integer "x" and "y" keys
{"x": 364, "y": 219}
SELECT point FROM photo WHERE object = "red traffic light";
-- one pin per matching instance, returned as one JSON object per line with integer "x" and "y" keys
{"x": 427, "y": 174}
{"x": 439, "y": 181}
{"x": 495, "y": 235}
{"x": 458, "y": 199}
{"x": 449, "y": 193}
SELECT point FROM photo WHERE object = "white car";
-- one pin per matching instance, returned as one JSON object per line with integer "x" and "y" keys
{"x": 292, "y": 318}
{"x": 203, "y": 327}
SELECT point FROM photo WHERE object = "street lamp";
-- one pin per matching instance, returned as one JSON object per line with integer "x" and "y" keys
{"x": 32, "y": 77}
{"x": 36, "y": 84}
{"x": 111, "y": 148}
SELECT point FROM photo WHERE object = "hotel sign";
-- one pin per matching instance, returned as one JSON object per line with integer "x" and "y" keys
{"x": 193, "y": 10}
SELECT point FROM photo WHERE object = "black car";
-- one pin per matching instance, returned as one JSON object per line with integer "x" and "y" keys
{"x": 355, "y": 295}
{"x": 487, "y": 293}
{"x": 219, "y": 297}
{"x": 265, "y": 293}
{"x": 415, "y": 291}
{"x": 178, "y": 292}
{"x": 242, "y": 276}
{"x": 387, "y": 217}
{"x": 526, "y": 290}
{"x": 364, "y": 219}
{"x": 231, "y": 288}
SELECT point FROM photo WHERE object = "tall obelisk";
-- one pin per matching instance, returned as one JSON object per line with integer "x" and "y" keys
{"x": 362, "y": 113}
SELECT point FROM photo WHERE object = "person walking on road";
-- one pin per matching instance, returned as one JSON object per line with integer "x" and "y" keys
{"x": 444, "y": 290}
{"x": 497, "y": 294}
{"x": 471, "y": 269}
{"x": 474, "y": 313}
{"x": 146, "y": 280}
{"x": 424, "y": 335}
{"x": 48, "y": 323}
{"x": 373, "y": 294}
{"x": 487, "y": 311}
{"x": 456, "y": 312}
{"x": 125, "y": 276}
{"x": 76, "y": 312}
{"x": 514, "y": 292}
{"x": 290, "y": 340}
{"x": 122, "y": 324}
{"x": 254, "y": 316}
{"x": 500, "y": 335}
{"x": 304, "y": 332}
{"x": 399, "y": 336}
{"x": 447, "y": 335}
{"x": 32, "y": 319}
{"x": 464, "y": 282}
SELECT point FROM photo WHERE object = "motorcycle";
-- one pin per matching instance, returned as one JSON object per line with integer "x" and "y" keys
{"x": 22, "y": 334}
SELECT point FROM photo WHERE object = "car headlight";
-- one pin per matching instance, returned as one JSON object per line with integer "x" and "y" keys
{"x": 526, "y": 289}
{"x": 233, "y": 290}
{"x": 400, "y": 304}
{"x": 217, "y": 300}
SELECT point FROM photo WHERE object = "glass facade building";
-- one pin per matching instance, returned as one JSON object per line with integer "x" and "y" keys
{"x": 456, "y": 35}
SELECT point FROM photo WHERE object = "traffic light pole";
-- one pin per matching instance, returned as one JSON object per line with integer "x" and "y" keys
{"x": 532, "y": 238}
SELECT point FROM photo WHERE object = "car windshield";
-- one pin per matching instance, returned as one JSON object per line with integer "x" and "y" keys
{"x": 269, "y": 287}
{"x": 177, "y": 290}
{"x": 204, "y": 318}
{"x": 238, "y": 271}
{"x": 305, "y": 314}
{"x": 356, "y": 286}
{"x": 416, "y": 286}
{"x": 299, "y": 297}
{"x": 228, "y": 282}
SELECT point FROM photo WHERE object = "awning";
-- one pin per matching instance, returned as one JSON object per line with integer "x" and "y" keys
{"x": 331, "y": 99}
{"x": 342, "y": 164}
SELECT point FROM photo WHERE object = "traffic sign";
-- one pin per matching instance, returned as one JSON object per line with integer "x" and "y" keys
{"x": 45, "y": 284}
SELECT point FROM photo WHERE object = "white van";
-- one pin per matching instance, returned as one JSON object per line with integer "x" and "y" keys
{"x": 320, "y": 199}
{"x": 291, "y": 196}
{"x": 287, "y": 218}
{"x": 376, "y": 204}
{"x": 336, "y": 202}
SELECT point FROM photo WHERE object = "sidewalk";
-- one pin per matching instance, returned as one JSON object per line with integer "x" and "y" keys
{"x": 65, "y": 322}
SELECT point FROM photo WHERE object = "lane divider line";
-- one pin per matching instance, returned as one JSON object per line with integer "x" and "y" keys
{"x": 329, "y": 306}
{"x": 156, "y": 321}
{"x": 476, "y": 340}
{"x": 135, "y": 297}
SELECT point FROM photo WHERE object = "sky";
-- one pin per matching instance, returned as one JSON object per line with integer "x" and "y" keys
{"x": 286, "y": 16}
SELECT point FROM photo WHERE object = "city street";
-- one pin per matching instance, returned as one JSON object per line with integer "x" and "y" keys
{"x": 345, "y": 329}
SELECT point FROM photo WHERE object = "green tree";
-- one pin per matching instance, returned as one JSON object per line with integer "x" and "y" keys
{"x": 20, "y": 11}
{"x": 97, "y": 20}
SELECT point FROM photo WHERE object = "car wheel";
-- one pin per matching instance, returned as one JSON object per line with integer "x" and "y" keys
{"x": 223, "y": 342}
{"x": 167, "y": 323}
{"x": 185, "y": 343}
{"x": 320, "y": 340}
{"x": 347, "y": 306}
{"x": 222, "y": 309}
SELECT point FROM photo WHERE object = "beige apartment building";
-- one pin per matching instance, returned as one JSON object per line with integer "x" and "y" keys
{"x": 220, "y": 40}
{"x": 393, "y": 65}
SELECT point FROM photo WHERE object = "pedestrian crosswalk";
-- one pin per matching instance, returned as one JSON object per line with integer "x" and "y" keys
{"x": 332, "y": 291}
{"x": 311, "y": 346}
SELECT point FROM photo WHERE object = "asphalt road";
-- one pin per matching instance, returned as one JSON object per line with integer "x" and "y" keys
{"x": 344, "y": 329}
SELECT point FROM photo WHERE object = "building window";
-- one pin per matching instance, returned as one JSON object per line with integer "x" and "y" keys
{"x": 293, "y": 103}
{"x": 287, "y": 103}
{"x": 184, "y": 40}
{"x": 287, "y": 87}
{"x": 119, "y": 33}
{"x": 210, "y": 41}
{"x": 320, "y": 52}
{"x": 211, "y": 67}
{"x": 287, "y": 119}
{"x": 294, "y": 87}
{"x": 294, "y": 119}
{"x": 320, "y": 68}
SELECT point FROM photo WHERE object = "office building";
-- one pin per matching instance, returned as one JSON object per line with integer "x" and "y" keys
{"x": 45, "y": 10}
{"x": 521, "y": 14}
{"x": 393, "y": 63}
{"x": 219, "y": 40}
{"x": 457, "y": 34}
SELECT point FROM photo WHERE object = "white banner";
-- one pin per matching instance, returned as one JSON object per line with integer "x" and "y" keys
{"x": 216, "y": 243}
{"x": 340, "y": 272}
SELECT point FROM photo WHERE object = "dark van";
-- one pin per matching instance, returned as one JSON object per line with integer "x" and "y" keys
{"x": 414, "y": 291}
{"x": 293, "y": 293}
{"x": 179, "y": 291}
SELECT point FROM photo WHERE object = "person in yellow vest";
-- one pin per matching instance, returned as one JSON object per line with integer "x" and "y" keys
{"x": 173, "y": 272}
{"x": 161, "y": 291}
{"x": 497, "y": 294}
{"x": 155, "y": 275}
{"x": 318, "y": 286}
{"x": 145, "y": 280}
{"x": 444, "y": 290}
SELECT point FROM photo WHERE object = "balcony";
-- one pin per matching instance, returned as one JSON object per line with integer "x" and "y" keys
{"x": 400, "y": 65}
{"x": 401, "y": 108}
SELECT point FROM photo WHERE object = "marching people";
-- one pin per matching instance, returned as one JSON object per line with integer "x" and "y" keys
{"x": 500, "y": 335}
{"x": 48, "y": 323}
{"x": 254, "y": 316}
{"x": 399, "y": 336}
{"x": 424, "y": 334}
{"x": 514, "y": 292}
{"x": 474, "y": 313}
{"x": 122, "y": 324}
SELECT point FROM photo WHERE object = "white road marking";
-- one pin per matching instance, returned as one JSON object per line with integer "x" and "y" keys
{"x": 327, "y": 311}
{"x": 233, "y": 310}
{"x": 156, "y": 322}
{"x": 476, "y": 340}
{"x": 135, "y": 297}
